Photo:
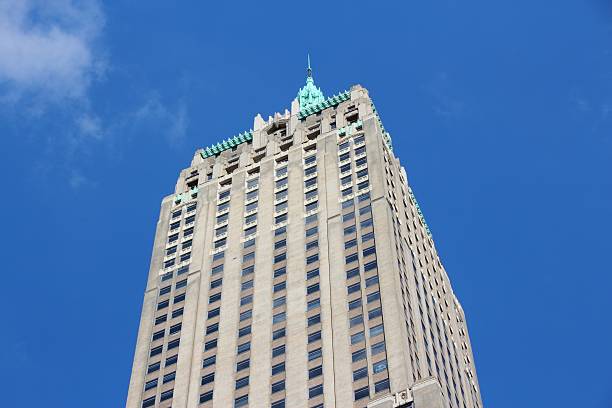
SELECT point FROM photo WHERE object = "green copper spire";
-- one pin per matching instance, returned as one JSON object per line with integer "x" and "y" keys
{"x": 310, "y": 94}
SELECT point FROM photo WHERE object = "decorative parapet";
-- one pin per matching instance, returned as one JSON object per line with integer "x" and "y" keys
{"x": 329, "y": 102}
{"x": 386, "y": 135}
{"x": 416, "y": 204}
{"x": 227, "y": 144}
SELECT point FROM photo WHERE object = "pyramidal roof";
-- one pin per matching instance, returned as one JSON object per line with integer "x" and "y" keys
{"x": 310, "y": 94}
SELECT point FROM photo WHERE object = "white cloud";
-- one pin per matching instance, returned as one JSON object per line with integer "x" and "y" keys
{"x": 48, "y": 47}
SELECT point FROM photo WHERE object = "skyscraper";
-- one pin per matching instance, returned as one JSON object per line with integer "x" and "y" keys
{"x": 292, "y": 267}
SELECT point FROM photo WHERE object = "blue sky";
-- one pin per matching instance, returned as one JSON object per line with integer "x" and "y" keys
{"x": 501, "y": 113}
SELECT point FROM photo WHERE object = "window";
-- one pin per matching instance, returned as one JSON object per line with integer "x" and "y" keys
{"x": 310, "y": 182}
{"x": 362, "y": 393}
{"x": 171, "y": 250}
{"x": 280, "y": 244}
{"x": 278, "y": 301}
{"x": 241, "y": 365}
{"x": 246, "y": 300}
{"x": 153, "y": 367}
{"x": 207, "y": 379}
{"x": 246, "y": 315}
{"x": 376, "y": 330}
{"x": 209, "y": 361}
{"x": 369, "y": 266}
{"x": 280, "y": 272}
{"x": 176, "y": 328}
{"x": 209, "y": 345}
{"x": 345, "y": 167}
{"x": 216, "y": 283}
{"x": 360, "y": 373}
{"x": 252, "y": 183}
{"x": 242, "y": 382}
{"x": 311, "y": 245}
{"x": 214, "y": 312}
{"x": 246, "y": 285}
{"x": 314, "y": 354}
{"x": 218, "y": 256}
{"x": 181, "y": 284}
{"x": 351, "y": 243}
{"x": 177, "y": 312}
{"x": 281, "y": 195}
{"x": 220, "y": 243}
{"x": 369, "y": 251}
{"x": 248, "y": 270}
{"x": 280, "y": 286}
{"x": 374, "y": 313}
{"x": 312, "y": 337}
{"x": 311, "y": 231}
{"x": 224, "y": 194}
{"x": 207, "y": 396}
{"x": 278, "y": 334}
{"x": 311, "y": 207}
{"x": 310, "y": 218}
{"x": 280, "y": 257}
{"x": 313, "y": 304}
{"x": 354, "y": 304}
{"x": 248, "y": 257}
{"x": 158, "y": 335}
{"x": 164, "y": 291}
{"x": 252, "y": 195}
{"x": 354, "y": 288}
{"x": 312, "y": 259}
{"x": 310, "y": 159}
{"x": 351, "y": 258}
{"x": 241, "y": 401}
{"x": 311, "y": 194}
{"x": 347, "y": 204}
{"x": 250, "y": 231}
{"x": 171, "y": 360}
{"x": 378, "y": 348}
{"x": 214, "y": 298}
{"x": 278, "y": 386}
{"x": 315, "y": 391}
{"x": 380, "y": 366}
{"x": 367, "y": 237}
{"x": 312, "y": 274}
{"x": 281, "y": 171}
{"x": 251, "y": 206}
{"x": 316, "y": 319}
{"x": 169, "y": 263}
{"x": 381, "y": 386}
{"x": 312, "y": 289}
{"x": 169, "y": 377}
{"x": 244, "y": 331}
{"x": 352, "y": 273}
{"x": 166, "y": 276}
{"x": 278, "y": 351}
{"x": 348, "y": 216}
{"x": 244, "y": 347}
{"x": 149, "y": 402}
{"x": 280, "y": 218}
{"x": 281, "y": 183}
{"x": 359, "y": 355}
{"x": 155, "y": 351}
{"x": 355, "y": 321}
{"x": 249, "y": 243}
{"x": 161, "y": 319}
{"x": 151, "y": 384}
{"x": 179, "y": 298}
{"x": 315, "y": 372}
{"x": 366, "y": 223}
{"x": 212, "y": 328}
{"x": 279, "y": 317}
{"x": 357, "y": 337}
{"x": 173, "y": 344}
{"x": 175, "y": 225}
{"x": 371, "y": 281}
{"x": 372, "y": 297}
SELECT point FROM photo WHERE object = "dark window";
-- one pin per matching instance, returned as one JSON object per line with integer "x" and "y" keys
{"x": 312, "y": 274}
{"x": 151, "y": 384}
{"x": 359, "y": 355}
{"x": 244, "y": 331}
{"x": 351, "y": 258}
{"x": 214, "y": 298}
{"x": 155, "y": 351}
{"x": 217, "y": 269}
{"x": 207, "y": 396}
{"x": 177, "y": 312}
{"x": 313, "y": 304}
{"x": 379, "y": 367}
{"x": 354, "y": 304}
{"x": 314, "y": 354}
{"x": 357, "y": 337}
{"x": 149, "y": 402}
{"x": 312, "y": 289}
{"x": 173, "y": 344}
{"x": 277, "y": 334}
{"x": 280, "y": 272}
{"x": 207, "y": 379}
{"x": 362, "y": 393}
{"x": 372, "y": 314}
{"x": 354, "y": 288}
{"x": 352, "y": 273}
{"x": 371, "y": 281}
{"x": 209, "y": 361}
{"x": 277, "y": 351}
{"x": 213, "y": 328}
{"x": 360, "y": 373}
{"x": 373, "y": 296}
{"x": 315, "y": 372}
{"x": 369, "y": 251}
{"x": 279, "y": 301}
{"x": 176, "y": 328}
{"x": 311, "y": 231}
{"x": 316, "y": 319}
{"x": 153, "y": 367}
{"x": 278, "y": 368}
{"x": 161, "y": 319}
{"x": 376, "y": 330}
{"x": 241, "y": 401}
{"x": 278, "y": 386}
{"x": 241, "y": 365}
{"x": 179, "y": 298}
{"x": 242, "y": 382}
{"x": 315, "y": 391}
{"x": 378, "y": 348}
{"x": 312, "y": 337}
{"x": 246, "y": 300}
{"x": 246, "y": 315}
{"x": 158, "y": 335}
{"x": 244, "y": 347}
{"x": 381, "y": 386}
{"x": 169, "y": 377}
{"x": 355, "y": 321}
{"x": 165, "y": 290}
{"x": 181, "y": 284}
{"x": 214, "y": 312}
{"x": 166, "y": 395}
{"x": 209, "y": 345}
{"x": 280, "y": 286}
{"x": 171, "y": 360}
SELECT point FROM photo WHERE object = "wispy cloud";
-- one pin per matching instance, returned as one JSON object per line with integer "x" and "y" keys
{"x": 172, "y": 123}
{"x": 48, "y": 48}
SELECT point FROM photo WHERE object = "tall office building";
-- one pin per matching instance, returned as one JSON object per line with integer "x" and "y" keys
{"x": 292, "y": 267}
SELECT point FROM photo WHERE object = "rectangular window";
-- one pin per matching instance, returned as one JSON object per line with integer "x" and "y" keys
{"x": 316, "y": 319}
{"x": 313, "y": 304}
{"x": 207, "y": 379}
{"x": 371, "y": 281}
{"x": 210, "y": 361}
{"x": 179, "y": 298}
{"x": 280, "y": 257}
{"x": 376, "y": 330}
{"x": 279, "y": 317}
{"x": 351, "y": 243}
{"x": 369, "y": 266}
{"x": 279, "y": 301}
{"x": 359, "y": 355}
{"x": 374, "y": 313}
{"x": 181, "y": 284}
{"x": 314, "y": 354}
{"x": 369, "y": 251}
{"x": 312, "y": 337}
{"x": 174, "y": 344}
{"x": 216, "y": 283}
{"x": 362, "y": 393}
{"x": 278, "y": 386}
{"x": 379, "y": 367}
{"x": 312, "y": 289}
{"x": 242, "y": 382}
{"x": 354, "y": 304}
{"x": 241, "y": 401}
{"x": 312, "y": 245}
{"x": 356, "y": 321}
{"x": 381, "y": 386}
{"x": 151, "y": 384}
{"x": 149, "y": 402}
{"x": 311, "y": 231}
{"x": 207, "y": 396}
{"x": 156, "y": 351}
{"x": 241, "y": 365}
{"x": 280, "y": 286}
{"x": 310, "y": 218}
{"x": 248, "y": 257}
{"x": 360, "y": 373}
{"x": 315, "y": 372}
{"x": 214, "y": 298}
{"x": 351, "y": 258}
{"x": 164, "y": 291}
{"x": 161, "y": 319}
{"x": 244, "y": 347}
{"x": 176, "y": 328}
{"x": 352, "y": 273}
{"x": 169, "y": 377}
{"x": 280, "y": 244}
{"x": 280, "y": 272}
{"x": 312, "y": 274}
{"x": 357, "y": 338}
{"x": 250, "y": 231}
{"x": 356, "y": 287}
{"x": 278, "y": 351}
{"x": 244, "y": 331}
{"x": 246, "y": 285}
{"x": 378, "y": 348}
{"x": 213, "y": 328}
{"x": 278, "y": 334}
{"x": 248, "y": 270}
{"x": 171, "y": 360}
{"x": 278, "y": 368}
{"x": 312, "y": 259}
{"x": 246, "y": 315}
{"x": 153, "y": 367}
{"x": 209, "y": 345}
{"x": 158, "y": 335}
{"x": 315, "y": 391}
{"x": 177, "y": 312}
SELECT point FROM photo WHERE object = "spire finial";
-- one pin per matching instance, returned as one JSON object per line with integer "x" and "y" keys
{"x": 309, "y": 70}
{"x": 310, "y": 94}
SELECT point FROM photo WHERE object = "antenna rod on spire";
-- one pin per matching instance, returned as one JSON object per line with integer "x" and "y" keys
{"x": 309, "y": 70}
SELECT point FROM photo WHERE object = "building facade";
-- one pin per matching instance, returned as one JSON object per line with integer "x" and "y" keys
{"x": 292, "y": 267}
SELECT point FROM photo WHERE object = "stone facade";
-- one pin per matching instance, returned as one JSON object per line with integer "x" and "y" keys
{"x": 293, "y": 267}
